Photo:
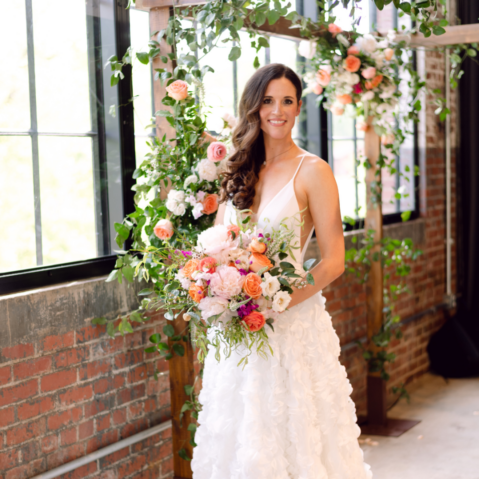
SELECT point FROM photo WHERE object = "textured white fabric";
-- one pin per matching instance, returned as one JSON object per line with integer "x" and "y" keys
{"x": 287, "y": 417}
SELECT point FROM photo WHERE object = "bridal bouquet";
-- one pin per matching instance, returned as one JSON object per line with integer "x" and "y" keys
{"x": 232, "y": 285}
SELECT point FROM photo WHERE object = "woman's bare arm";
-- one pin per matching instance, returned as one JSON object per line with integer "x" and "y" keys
{"x": 321, "y": 189}
{"x": 220, "y": 215}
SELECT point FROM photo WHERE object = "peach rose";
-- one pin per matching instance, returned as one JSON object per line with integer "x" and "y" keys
{"x": 216, "y": 151}
{"x": 252, "y": 285}
{"x": 210, "y": 204}
{"x": 337, "y": 110}
{"x": 362, "y": 126}
{"x": 258, "y": 261}
{"x": 344, "y": 99}
{"x": 257, "y": 246}
{"x": 178, "y": 90}
{"x": 334, "y": 29}
{"x": 254, "y": 321}
{"x": 388, "y": 54}
{"x": 388, "y": 139}
{"x": 190, "y": 267}
{"x": 351, "y": 63}
{"x": 233, "y": 229}
{"x": 369, "y": 73}
{"x": 353, "y": 50}
{"x": 317, "y": 89}
{"x": 197, "y": 293}
{"x": 207, "y": 265}
{"x": 164, "y": 229}
{"x": 323, "y": 77}
{"x": 374, "y": 83}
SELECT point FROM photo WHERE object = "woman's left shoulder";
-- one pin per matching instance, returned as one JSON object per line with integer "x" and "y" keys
{"x": 315, "y": 169}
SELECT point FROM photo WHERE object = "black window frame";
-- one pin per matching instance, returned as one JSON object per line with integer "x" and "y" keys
{"x": 42, "y": 276}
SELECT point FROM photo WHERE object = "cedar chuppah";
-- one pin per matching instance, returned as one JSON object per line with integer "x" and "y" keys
{"x": 181, "y": 367}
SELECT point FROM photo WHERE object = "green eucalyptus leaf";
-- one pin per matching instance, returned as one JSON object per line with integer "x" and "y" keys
{"x": 234, "y": 54}
{"x": 310, "y": 279}
{"x": 143, "y": 57}
{"x": 169, "y": 330}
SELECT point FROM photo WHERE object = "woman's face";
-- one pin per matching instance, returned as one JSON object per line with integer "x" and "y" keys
{"x": 279, "y": 109}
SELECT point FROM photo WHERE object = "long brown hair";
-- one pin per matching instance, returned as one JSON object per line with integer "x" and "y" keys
{"x": 242, "y": 172}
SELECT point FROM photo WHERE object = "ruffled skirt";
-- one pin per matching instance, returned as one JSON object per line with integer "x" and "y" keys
{"x": 287, "y": 417}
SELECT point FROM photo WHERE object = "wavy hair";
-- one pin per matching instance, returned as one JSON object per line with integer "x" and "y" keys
{"x": 242, "y": 171}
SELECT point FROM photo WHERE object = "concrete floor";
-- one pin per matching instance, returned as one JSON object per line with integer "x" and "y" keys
{"x": 444, "y": 445}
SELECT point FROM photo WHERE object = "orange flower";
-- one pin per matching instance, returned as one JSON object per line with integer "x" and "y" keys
{"x": 334, "y": 29}
{"x": 255, "y": 321}
{"x": 259, "y": 261}
{"x": 257, "y": 246}
{"x": 344, "y": 99}
{"x": 388, "y": 54}
{"x": 323, "y": 77}
{"x": 337, "y": 110}
{"x": 210, "y": 204}
{"x": 164, "y": 229}
{"x": 197, "y": 293}
{"x": 178, "y": 90}
{"x": 252, "y": 285}
{"x": 190, "y": 268}
{"x": 351, "y": 63}
{"x": 374, "y": 83}
{"x": 208, "y": 265}
{"x": 233, "y": 229}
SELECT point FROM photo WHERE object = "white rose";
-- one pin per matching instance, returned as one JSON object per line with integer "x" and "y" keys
{"x": 342, "y": 39}
{"x": 191, "y": 179}
{"x": 378, "y": 58}
{"x": 212, "y": 305}
{"x": 388, "y": 92}
{"x": 207, "y": 170}
{"x": 307, "y": 49}
{"x": 383, "y": 44}
{"x": 230, "y": 119}
{"x": 367, "y": 43}
{"x": 179, "y": 210}
{"x": 197, "y": 210}
{"x": 185, "y": 282}
{"x": 349, "y": 78}
{"x": 281, "y": 301}
{"x": 176, "y": 195}
{"x": 240, "y": 258}
{"x": 270, "y": 285}
{"x": 367, "y": 96}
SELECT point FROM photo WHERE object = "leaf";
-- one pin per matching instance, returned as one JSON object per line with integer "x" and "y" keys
{"x": 145, "y": 292}
{"x": 262, "y": 41}
{"x": 143, "y": 57}
{"x": 308, "y": 264}
{"x": 379, "y": 4}
{"x": 183, "y": 455}
{"x": 437, "y": 30}
{"x": 405, "y": 7}
{"x": 128, "y": 272}
{"x": 286, "y": 265}
{"x": 310, "y": 279}
{"x": 189, "y": 389}
{"x": 155, "y": 338}
{"x": 150, "y": 350}
{"x": 273, "y": 16}
{"x": 169, "y": 330}
{"x": 110, "y": 329}
{"x": 179, "y": 349}
{"x": 235, "y": 53}
{"x": 256, "y": 63}
{"x": 405, "y": 215}
{"x": 99, "y": 321}
{"x": 112, "y": 276}
{"x": 259, "y": 18}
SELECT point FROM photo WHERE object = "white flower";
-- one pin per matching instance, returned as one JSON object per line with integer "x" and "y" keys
{"x": 270, "y": 285}
{"x": 190, "y": 179}
{"x": 342, "y": 39}
{"x": 191, "y": 200}
{"x": 215, "y": 242}
{"x": 197, "y": 210}
{"x": 378, "y": 58}
{"x": 230, "y": 119}
{"x": 175, "y": 202}
{"x": 388, "y": 91}
{"x": 383, "y": 44}
{"x": 307, "y": 49}
{"x": 226, "y": 282}
{"x": 349, "y": 78}
{"x": 185, "y": 282}
{"x": 212, "y": 305}
{"x": 391, "y": 35}
{"x": 281, "y": 301}
{"x": 327, "y": 68}
{"x": 207, "y": 170}
{"x": 337, "y": 58}
{"x": 240, "y": 258}
{"x": 367, "y": 96}
{"x": 200, "y": 195}
{"x": 367, "y": 43}
{"x": 176, "y": 195}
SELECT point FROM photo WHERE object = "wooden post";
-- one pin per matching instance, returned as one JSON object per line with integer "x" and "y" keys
{"x": 181, "y": 367}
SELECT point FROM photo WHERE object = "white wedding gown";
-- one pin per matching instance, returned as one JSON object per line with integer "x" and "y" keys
{"x": 287, "y": 417}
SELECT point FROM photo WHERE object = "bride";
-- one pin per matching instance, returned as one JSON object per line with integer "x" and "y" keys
{"x": 289, "y": 416}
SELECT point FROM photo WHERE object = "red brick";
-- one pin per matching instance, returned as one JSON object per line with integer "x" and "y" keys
{"x": 5, "y": 375}
{"x": 135, "y": 410}
{"x": 130, "y": 394}
{"x": 131, "y": 466}
{"x": 50, "y": 343}
{"x": 119, "y": 416}
{"x": 115, "y": 457}
{"x": 16, "y": 393}
{"x": 56, "y": 421}
{"x": 7, "y": 416}
{"x": 99, "y": 405}
{"x": 137, "y": 374}
{"x": 58, "y": 380}
{"x": 66, "y": 454}
{"x": 118, "y": 381}
{"x": 102, "y": 386}
{"x": 103, "y": 422}
{"x": 34, "y": 408}
{"x": 110, "y": 474}
{"x": 81, "y": 472}
{"x": 49, "y": 444}
{"x": 23, "y": 433}
{"x": 134, "y": 427}
{"x": 86, "y": 429}
{"x": 21, "y": 472}
{"x": 19, "y": 351}
{"x": 89, "y": 333}
{"x": 94, "y": 369}
{"x": 102, "y": 440}
{"x": 9, "y": 459}
{"x": 76, "y": 395}
{"x": 69, "y": 436}
{"x": 130, "y": 358}
{"x": 107, "y": 347}
{"x": 29, "y": 451}
{"x": 150, "y": 405}
{"x": 166, "y": 466}
{"x": 70, "y": 357}
{"x": 31, "y": 368}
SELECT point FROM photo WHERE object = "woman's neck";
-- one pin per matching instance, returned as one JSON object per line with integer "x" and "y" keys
{"x": 276, "y": 148}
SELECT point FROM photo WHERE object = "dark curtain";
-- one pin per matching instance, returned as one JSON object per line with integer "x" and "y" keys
{"x": 454, "y": 349}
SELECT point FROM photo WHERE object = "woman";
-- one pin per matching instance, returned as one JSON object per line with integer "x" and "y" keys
{"x": 290, "y": 416}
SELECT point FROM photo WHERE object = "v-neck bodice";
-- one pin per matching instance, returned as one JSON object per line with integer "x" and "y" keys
{"x": 282, "y": 208}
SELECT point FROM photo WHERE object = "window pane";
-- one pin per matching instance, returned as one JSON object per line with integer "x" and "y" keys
{"x": 343, "y": 126}
{"x": 14, "y": 94}
{"x": 67, "y": 199}
{"x": 361, "y": 177}
{"x": 17, "y": 217}
{"x": 343, "y": 154}
{"x": 245, "y": 62}
{"x": 61, "y": 66}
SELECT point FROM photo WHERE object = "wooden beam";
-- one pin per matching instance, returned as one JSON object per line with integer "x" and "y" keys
{"x": 453, "y": 36}
{"x": 147, "y": 5}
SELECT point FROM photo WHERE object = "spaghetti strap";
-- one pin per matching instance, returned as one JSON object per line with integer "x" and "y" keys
{"x": 299, "y": 166}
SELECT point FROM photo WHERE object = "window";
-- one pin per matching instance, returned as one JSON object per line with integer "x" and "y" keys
{"x": 64, "y": 159}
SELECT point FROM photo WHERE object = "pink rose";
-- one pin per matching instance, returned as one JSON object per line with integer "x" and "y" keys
{"x": 178, "y": 90}
{"x": 317, "y": 89}
{"x": 388, "y": 54}
{"x": 362, "y": 126}
{"x": 323, "y": 77}
{"x": 334, "y": 29}
{"x": 216, "y": 151}
{"x": 226, "y": 282}
{"x": 388, "y": 139}
{"x": 369, "y": 73}
{"x": 337, "y": 110}
{"x": 164, "y": 229}
{"x": 353, "y": 50}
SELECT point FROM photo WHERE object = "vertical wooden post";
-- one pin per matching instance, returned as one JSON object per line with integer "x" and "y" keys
{"x": 181, "y": 367}
{"x": 377, "y": 413}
